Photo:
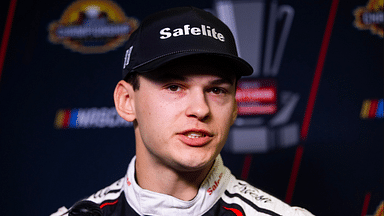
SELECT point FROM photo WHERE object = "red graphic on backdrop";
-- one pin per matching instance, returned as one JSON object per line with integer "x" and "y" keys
{"x": 256, "y": 97}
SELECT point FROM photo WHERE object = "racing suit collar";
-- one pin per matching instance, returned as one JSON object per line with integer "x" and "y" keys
{"x": 146, "y": 202}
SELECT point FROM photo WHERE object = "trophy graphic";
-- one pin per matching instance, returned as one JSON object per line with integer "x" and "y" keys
{"x": 261, "y": 29}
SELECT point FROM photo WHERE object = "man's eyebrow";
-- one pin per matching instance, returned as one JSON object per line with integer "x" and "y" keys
{"x": 169, "y": 77}
{"x": 223, "y": 80}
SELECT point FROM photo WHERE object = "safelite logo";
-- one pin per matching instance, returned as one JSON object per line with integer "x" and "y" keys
{"x": 215, "y": 185}
{"x": 204, "y": 30}
{"x": 84, "y": 118}
{"x": 371, "y": 17}
{"x": 92, "y": 26}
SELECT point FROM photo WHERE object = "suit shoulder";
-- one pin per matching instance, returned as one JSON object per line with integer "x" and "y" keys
{"x": 63, "y": 211}
{"x": 254, "y": 200}
{"x": 112, "y": 192}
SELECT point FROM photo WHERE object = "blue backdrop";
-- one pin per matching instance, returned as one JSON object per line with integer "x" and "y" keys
{"x": 48, "y": 161}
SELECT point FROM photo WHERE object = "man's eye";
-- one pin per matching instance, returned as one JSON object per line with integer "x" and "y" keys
{"x": 217, "y": 90}
{"x": 174, "y": 88}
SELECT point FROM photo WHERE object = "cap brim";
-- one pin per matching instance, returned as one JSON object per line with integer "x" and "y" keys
{"x": 242, "y": 68}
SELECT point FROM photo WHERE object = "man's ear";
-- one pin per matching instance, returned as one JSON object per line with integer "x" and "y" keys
{"x": 124, "y": 101}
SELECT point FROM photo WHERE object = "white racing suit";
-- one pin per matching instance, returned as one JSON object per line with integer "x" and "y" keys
{"x": 219, "y": 194}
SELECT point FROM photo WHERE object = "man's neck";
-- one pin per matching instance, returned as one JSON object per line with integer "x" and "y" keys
{"x": 159, "y": 178}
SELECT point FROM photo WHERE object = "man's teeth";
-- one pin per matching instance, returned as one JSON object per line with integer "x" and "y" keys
{"x": 195, "y": 135}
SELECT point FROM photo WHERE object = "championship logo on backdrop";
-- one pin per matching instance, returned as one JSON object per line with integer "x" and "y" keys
{"x": 371, "y": 17}
{"x": 380, "y": 209}
{"x": 92, "y": 26}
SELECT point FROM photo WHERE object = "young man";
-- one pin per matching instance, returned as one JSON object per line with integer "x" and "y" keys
{"x": 180, "y": 73}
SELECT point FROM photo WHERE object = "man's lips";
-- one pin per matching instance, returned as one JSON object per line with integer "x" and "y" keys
{"x": 195, "y": 137}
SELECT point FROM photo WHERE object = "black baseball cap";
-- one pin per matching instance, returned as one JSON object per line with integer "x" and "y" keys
{"x": 179, "y": 32}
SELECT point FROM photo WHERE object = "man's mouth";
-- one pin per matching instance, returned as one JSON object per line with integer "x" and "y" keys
{"x": 194, "y": 134}
{"x": 196, "y": 137}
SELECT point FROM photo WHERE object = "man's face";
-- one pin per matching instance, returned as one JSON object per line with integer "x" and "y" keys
{"x": 184, "y": 112}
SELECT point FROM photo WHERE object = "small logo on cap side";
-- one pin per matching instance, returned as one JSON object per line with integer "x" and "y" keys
{"x": 204, "y": 30}
{"x": 127, "y": 56}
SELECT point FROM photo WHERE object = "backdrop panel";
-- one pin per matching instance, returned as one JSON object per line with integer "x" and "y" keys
{"x": 61, "y": 139}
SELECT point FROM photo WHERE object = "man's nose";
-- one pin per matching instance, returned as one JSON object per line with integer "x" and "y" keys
{"x": 198, "y": 106}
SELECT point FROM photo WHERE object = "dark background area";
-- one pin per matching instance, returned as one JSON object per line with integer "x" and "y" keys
{"x": 44, "y": 168}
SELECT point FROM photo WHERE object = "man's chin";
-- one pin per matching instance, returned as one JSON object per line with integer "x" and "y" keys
{"x": 194, "y": 165}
